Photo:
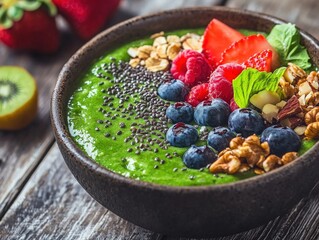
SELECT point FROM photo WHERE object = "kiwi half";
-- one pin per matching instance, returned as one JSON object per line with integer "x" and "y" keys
{"x": 18, "y": 98}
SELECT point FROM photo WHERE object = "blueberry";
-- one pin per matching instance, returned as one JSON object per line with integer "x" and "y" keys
{"x": 180, "y": 112}
{"x": 174, "y": 90}
{"x": 219, "y": 138}
{"x": 199, "y": 157}
{"x": 212, "y": 113}
{"x": 182, "y": 135}
{"x": 281, "y": 140}
{"x": 246, "y": 121}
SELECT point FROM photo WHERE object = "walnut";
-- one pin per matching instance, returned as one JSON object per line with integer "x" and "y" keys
{"x": 312, "y": 131}
{"x": 270, "y": 163}
{"x": 259, "y": 171}
{"x": 313, "y": 80}
{"x": 236, "y": 142}
{"x": 312, "y": 116}
{"x": 227, "y": 163}
{"x": 288, "y": 157}
{"x": 293, "y": 73}
{"x": 244, "y": 167}
{"x": 247, "y": 151}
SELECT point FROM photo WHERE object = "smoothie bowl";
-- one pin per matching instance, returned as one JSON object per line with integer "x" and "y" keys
{"x": 161, "y": 126}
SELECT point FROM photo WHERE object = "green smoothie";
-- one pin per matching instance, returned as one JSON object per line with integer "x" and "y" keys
{"x": 101, "y": 121}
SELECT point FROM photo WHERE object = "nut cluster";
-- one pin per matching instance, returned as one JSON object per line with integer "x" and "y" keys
{"x": 306, "y": 87}
{"x": 157, "y": 57}
{"x": 244, "y": 154}
{"x": 312, "y": 121}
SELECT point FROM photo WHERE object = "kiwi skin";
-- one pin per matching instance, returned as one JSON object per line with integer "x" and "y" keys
{"x": 23, "y": 116}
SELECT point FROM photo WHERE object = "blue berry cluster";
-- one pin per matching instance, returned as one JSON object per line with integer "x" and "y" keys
{"x": 216, "y": 113}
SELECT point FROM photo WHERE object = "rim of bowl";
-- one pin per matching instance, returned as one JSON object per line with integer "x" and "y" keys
{"x": 61, "y": 129}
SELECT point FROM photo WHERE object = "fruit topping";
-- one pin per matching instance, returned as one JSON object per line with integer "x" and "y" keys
{"x": 86, "y": 17}
{"x": 212, "y": 113}
{"x": 219, "y": 138}
{"x": 233, "y": 105}
{"x": 18, "y": 98}
{"x": 174, "y": 90}
{"x": 261, "y": 61}
{"x": 217, "y": 37}
{"x": 242, "y": 50}
{"x": 198, "y": 94}
{"x": 227, "y": 72}
{"x": 191, "y": 67}
{"x": 220, "y": 82}
{"x": 29, "y": 26}
{"x": 181, "y": 135}
{"x": 199, "y": 157}
{"x": 180, "y": 112}
{"x": 281, "y": 140}
{"x": 246, "y": 121}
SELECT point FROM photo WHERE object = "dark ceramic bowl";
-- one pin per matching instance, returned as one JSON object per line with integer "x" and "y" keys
{"x": 181, "y": 211}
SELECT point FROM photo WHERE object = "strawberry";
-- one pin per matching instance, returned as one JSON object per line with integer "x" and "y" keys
{"x": 217, "y": 37}
{"x": 86, "y": 17}
{"x": 261, "y": 61}
{"x": 29, "y": 25}
{"x": 242, "y": 50}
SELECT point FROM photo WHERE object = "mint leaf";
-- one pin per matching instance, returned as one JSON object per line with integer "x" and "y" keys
{"x": 285, "y": 38}
{"x": 252, "y": 81}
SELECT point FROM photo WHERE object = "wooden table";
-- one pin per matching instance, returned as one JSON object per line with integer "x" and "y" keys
{"x": 39, "y": 197}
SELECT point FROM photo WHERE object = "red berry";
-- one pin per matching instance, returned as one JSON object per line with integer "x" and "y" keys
{"x": 191, "y": 67}
{"x": 228, "y": 71}
{"x": 36, "y": 31}
{"x": 233, "y": 105}
{"x": 242, "y": 50}
{"x": 217, "y": 37}
{"x": 87, "y": 17}
{"x": 221, "y": 89}
{"x": 220, "y": 82}
{"x": 198, "y": 94}
{"x": 261, "y": 61}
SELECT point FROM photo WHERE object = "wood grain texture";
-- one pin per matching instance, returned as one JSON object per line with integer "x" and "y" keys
{"x": 303, "y": 13}
{"x": 54, "y": 206}
{"x": 140, "y": 7}
{"x": 22, "y": 151}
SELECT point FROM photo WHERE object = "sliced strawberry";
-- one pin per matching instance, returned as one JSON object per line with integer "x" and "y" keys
{"x": 261, "y": 61}
{"x": 217, "y": 37}
{"x": 242, "y": 50}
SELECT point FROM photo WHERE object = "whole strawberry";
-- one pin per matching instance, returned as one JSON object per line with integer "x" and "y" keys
{"x": 29, "y": 25}
{"x": 86, "y": 17}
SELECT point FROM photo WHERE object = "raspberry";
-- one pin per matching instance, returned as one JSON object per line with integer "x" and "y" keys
{"x": 221, "y": 89}
{"x": 233, "y": 105}
{"x": 191, "y": 67}
{"x": 198, "y": 94}
{"x": 220, "y": 82}
{"x": 228, "y": 71}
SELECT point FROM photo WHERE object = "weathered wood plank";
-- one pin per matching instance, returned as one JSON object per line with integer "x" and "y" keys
{"x": 140, "y": 7}
{"x": 54, "y": 206}
{"x": 303, "y": 13}
{"x": 21, "y": 151}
